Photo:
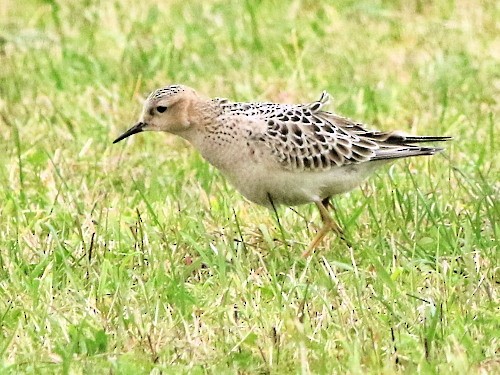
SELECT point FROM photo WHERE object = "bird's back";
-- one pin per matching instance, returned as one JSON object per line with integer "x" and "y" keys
{"x": 304, "y": 137}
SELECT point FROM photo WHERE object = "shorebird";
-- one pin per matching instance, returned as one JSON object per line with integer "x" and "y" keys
{"x": 279, "y": 154}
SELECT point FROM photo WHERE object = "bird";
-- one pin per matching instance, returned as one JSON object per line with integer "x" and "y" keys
{"x": 278, "y": 153}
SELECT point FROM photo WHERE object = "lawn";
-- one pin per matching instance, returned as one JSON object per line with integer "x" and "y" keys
{"x": 138, "y": 257}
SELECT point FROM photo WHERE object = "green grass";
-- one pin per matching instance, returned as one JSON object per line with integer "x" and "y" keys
{"x": 139, "y": 257}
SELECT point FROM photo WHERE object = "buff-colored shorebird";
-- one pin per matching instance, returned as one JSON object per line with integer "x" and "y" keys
{"x": 273, "y": 153}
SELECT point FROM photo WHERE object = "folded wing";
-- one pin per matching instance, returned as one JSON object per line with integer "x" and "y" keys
{"x": 306, "y": 138}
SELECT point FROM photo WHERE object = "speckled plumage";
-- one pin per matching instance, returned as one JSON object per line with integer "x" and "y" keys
{"x": 278, "y": 153}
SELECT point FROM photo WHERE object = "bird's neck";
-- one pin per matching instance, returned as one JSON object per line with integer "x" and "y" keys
{"x": 201, "y": 119}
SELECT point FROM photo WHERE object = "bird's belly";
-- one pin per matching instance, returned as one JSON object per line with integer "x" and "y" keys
{"x": 291, "y": 188}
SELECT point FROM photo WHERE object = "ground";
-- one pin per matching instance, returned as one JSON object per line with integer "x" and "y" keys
{"x": 139, "y": 257}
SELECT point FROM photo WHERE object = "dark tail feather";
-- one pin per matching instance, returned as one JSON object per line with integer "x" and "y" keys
{"x": 397, "y": 138}
{"x": 418, "y": 139}
{"x": 397, "y": 145}
{"x": 404, "y": 152}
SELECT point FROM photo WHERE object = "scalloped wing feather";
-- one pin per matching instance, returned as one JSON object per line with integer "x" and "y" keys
{"x": 304, "y": 137}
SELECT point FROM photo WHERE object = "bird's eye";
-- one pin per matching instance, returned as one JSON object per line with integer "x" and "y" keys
{"x": 161, "y": 109}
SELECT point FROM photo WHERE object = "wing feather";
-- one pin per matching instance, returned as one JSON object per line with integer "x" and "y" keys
{"x": 304, "y": 137}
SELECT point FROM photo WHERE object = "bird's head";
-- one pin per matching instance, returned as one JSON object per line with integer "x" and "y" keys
{"x": 165, "y": 109}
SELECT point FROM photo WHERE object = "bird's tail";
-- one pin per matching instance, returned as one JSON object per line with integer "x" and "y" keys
{"x": 395, "y": 145}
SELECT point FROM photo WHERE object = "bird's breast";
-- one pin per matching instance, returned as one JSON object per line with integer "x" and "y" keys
{"x": 258, "y": 175}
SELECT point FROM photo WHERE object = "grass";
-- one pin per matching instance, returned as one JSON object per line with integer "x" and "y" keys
{"x": 138, "y": 257}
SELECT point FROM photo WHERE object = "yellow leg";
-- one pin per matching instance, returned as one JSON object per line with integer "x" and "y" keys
{"x": 328, "y": 225}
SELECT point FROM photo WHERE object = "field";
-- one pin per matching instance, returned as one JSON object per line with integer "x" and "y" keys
{"x": 140, "y": 258}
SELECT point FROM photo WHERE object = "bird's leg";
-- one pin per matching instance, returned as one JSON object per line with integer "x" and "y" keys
{"x": 328, "y": 225}
{"x": 277, "y": 218}
{"x": 326, "y": 217}
{"x": 326, "y": 204}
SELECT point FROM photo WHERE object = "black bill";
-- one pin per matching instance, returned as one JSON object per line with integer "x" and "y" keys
{"x": 137, "y": 128}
